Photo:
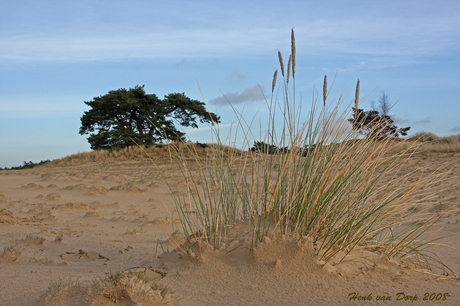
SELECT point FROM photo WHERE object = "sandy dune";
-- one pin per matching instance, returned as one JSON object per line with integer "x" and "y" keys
{"x": 66, "y": 228}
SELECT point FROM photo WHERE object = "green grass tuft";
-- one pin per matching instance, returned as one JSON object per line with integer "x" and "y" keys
{"x": 330, "y": 184}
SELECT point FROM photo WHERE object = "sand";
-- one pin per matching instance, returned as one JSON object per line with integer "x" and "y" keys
{"x": 68, "y": 233}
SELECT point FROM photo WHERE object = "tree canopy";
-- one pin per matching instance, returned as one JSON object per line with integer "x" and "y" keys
{"x": 377, "y": 123}
{"x": 123, "y": 117}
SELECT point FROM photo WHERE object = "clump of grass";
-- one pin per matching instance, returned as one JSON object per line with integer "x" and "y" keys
{"x": 58, "y": 238}
{"x": 10, "y": 254}
{"x": 60, "y": 284}
{"x": 124, "y": 287}
{"x": 327, "y": 183}
{"x": 133, "y": 153}
{"x": 431, "y": 143}
{"x": 423, "y": 137}
{"x": 132, "y": 286}
{"x": 91, "y": 214}
{"x": 10, "y": 249}
{"x": 34, "y": 239}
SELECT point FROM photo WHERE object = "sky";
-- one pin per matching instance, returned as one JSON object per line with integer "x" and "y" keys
{"x": 54, "y": 55}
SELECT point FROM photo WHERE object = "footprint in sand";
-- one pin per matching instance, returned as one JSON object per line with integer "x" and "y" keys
{"x": 10, "y": 255}
{"x": 131, "y": 187}
{"x": 7, "y": 217}
{"x": 33, "y": 185}
{"x": 53, "y": 196}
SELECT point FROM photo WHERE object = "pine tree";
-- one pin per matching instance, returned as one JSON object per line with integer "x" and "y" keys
{"x": 124, "y": 118}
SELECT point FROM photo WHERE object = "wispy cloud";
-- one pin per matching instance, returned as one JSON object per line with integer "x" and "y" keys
{"x": 206, "y": 128}
{"x": 455, "y": 129}
{"x": 402, "y": 121}
{"x": 250, "y": 94}
{"x": 174, "y": 44}
{"x": 424, "y": 121}
{"x": 184, "y": 62}
{"x": 381, "y": 35}
{"x": 237, "y": 76}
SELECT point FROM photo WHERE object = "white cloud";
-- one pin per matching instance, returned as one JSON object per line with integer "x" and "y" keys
{"x": 250, "y": 94}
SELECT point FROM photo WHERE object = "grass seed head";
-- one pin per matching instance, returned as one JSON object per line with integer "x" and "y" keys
{"x": 357, "y": 97}
{"x": 274, "y": 80}
{"x": 281, "y": 63}
{"x": 293, "y": 52}
{"x": 289, "y": 68}
{"x": 325, "y": 90}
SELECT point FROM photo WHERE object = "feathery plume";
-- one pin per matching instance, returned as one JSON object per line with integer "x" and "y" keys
{"x": 357, "y": 98}
{"x": 293, "y": 52}
{"x": 274, "y": 80}
{"x": 289, "y": 68}
{"x": 325, "y": 90}
{"x": 281, "y": 62}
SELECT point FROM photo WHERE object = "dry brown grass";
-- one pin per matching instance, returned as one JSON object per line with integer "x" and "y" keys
{"x": 428, "y": 143}
{"x": 160, "y": 153}
{"x": 431, "y": 143}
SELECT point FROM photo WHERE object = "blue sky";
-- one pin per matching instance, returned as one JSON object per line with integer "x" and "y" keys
{"x": 54, "y": 55}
